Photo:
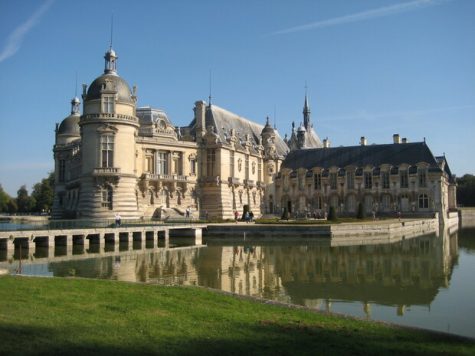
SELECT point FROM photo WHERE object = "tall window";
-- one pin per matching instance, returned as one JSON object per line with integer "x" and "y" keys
{"x": 350, "y": 180}
{"x": 423, "y": 201}
{"x": 332, "y": 180}
{"x": 246, "y": 167}
{"x": 107, "y": 151}
{"x": 108, "y": 104}
{"x": 162, "y": 162}
{"x": 210, "y": 161}
{"x": 404, "y": 179}
{"x": 149, "y": 164}
{"x": 368, "y": 180}
{"x": 193, "y": 166}
{"x": 385, "y": 180}
{"x": 62, "y": 170}
{"x": 259, "y": 169}
{"x": 107, "y": 198}
{"x": 422, "y": 177}
{"x": 317, "y": 180}
{"x": 231, "y": 163}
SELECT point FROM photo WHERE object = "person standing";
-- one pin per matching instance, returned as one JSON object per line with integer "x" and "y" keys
{"x": 236, "y": 216}
{"x": 117, "y": 220}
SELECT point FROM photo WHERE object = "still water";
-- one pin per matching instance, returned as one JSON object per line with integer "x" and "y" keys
{"x": 425, "y": 281}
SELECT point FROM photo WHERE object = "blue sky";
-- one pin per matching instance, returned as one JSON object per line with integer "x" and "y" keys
{"x": 373, "y": 68}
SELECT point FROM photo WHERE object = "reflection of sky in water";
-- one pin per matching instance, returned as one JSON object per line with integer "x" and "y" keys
{"x": 424, "y": 282}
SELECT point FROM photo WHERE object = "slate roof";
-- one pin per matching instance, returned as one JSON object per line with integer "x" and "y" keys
{"x": 224, "y": 121}
{"x": 360, "y": 156}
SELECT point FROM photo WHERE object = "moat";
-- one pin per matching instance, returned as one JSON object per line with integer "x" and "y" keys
{"x": 424, "y": 281}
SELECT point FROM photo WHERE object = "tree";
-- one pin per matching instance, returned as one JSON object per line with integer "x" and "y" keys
{"x": 4, "y": 199}
{"x": 12, "y": 206}
{"x": 24, "y": 202}
{"x": 43, "y": 194}
{"x": 466, "y": 190}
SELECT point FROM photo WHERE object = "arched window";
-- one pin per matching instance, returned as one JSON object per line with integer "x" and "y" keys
{"x": 423, "y": 201}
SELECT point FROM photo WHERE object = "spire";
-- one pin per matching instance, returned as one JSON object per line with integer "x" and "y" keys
{"x": 306, "y": 111}
{"x": 110, "y": 56}
{"x": 209, "y": 97}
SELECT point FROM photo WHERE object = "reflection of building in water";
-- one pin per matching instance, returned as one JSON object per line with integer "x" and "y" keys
{"x": 409, "y": 272}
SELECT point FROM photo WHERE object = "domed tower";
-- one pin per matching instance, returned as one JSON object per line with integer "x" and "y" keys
{"x": 68, "y": 130}
{"x": 66, "y": 150}
{"x": 268, "y": 140}
{"x": 109, "y": 126}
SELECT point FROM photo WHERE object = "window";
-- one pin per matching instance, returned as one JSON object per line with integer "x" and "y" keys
{"x": 318, "y": 181}
{"x": 231, "y": 163}
{"x": 333, "y": 181}
{"x": 404, "y": 179}
{"x": 350, "y": 180}
{"x": 108, "y": 104}
{"x": 107, "y": 198}
{"x": 423, "y": 201}
{"x": 210, "y": 161}
{"x": 107, "y": 151}
{"x": 193, "y": 166}
{"x": 386, "y": 202}
{"x": 422, "y": 177}
{"x": 259, "y": 169}
{"x": 350, "y": 203}
{"x": 368, "y": 180}
{"x": 334, "y": 201}
{"x": 162, "y": 162}
{"x": 246, "y": 167}
{"x": 385, "y": 179}
{"x": 62, "y": 170}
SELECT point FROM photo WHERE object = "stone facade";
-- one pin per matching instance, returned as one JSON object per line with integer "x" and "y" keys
{"x": 117, "y": 158}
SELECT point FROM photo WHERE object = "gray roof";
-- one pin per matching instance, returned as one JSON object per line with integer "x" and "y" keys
{"x": 224, "y": 121}
{"x": 118, "y": 84}
{"x": 360, "y": 156}
{"x": 70, "y": 126}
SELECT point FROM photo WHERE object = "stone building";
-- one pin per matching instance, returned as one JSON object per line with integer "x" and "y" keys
{"x": 120, "y": 158}
{"x": 117, "y": 158}
{"x": 384, "y": 178}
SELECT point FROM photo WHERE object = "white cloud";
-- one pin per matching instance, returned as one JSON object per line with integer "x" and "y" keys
{"x": 363, "y": 16}
{"x": 15, "y": 39}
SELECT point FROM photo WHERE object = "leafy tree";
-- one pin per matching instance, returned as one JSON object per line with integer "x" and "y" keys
{"x": 43, "y": 194}
{"x": 466, "y": 190}
{"x": 24, "y": 202}
{"x": 4, "y": 199}
{"x": 12, "y": 206}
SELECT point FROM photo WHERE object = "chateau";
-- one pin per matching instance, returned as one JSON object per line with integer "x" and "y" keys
{"x": 116, "y": 157}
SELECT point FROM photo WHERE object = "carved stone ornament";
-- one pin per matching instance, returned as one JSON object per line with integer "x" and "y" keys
{"x": 239, "y": 165}
{"x": 253, "y": 167}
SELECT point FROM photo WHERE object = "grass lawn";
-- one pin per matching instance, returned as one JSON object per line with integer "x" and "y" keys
{"x": 79, "y": 316}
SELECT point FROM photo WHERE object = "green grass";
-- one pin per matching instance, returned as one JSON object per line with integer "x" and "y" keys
{"x": 74, "y": 316}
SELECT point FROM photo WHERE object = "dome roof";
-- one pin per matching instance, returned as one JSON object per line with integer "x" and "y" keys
{"x": 70, "y": 126}
{"x": 110, "y": 82}
{"x": 267, "y": 128}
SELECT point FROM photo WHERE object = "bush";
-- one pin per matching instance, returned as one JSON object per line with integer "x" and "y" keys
{"x": 360, "y": 213}
{"x": 332, "y": 214}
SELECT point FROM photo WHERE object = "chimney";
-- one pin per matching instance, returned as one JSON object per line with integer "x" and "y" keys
{"x": 404, "y": 140}
{"x": 363, "y": 141}
{"x": 326, "y": 143}
{"x": 396, "y": 138}
{"x": 200, "y": 110}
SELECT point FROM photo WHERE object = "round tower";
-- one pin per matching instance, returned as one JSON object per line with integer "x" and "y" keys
{"x": 109, "y": 126}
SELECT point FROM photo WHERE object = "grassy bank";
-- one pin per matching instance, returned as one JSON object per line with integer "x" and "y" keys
{"x": 73, "y": 316}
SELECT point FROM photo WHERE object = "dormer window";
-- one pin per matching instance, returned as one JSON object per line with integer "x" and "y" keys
{"x": 108, "y": 104}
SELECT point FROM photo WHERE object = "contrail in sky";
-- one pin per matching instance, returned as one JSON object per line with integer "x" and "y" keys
{"x": 363, "y": 16}
{"x": 15, "y": 39}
